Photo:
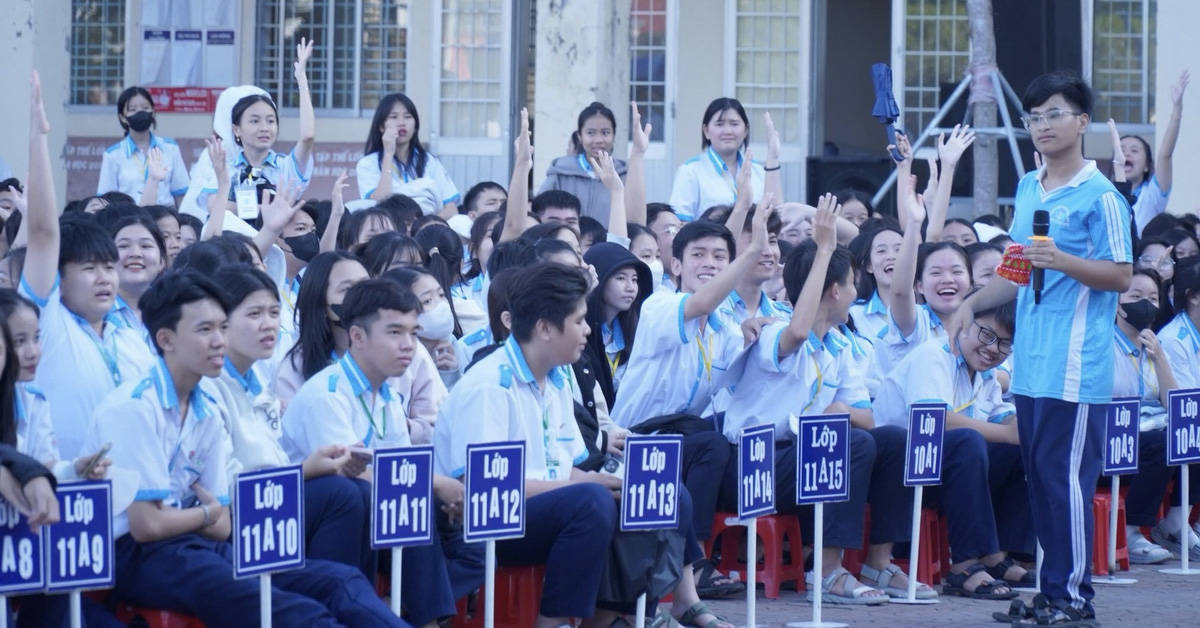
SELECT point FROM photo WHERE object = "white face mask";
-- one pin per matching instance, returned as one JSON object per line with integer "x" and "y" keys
{"x": 437, "y": 323}
{"x": 656, "y": 273}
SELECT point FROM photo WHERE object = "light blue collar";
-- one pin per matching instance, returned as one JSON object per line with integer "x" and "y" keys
{"x": 855, "y": 348}
{"x": 358, "y": 380}
{"x": 933, "y": 317}
{"x": 164, "y": 388}
{"x": 249, "y": 382}
{"x": 131, "y": 146}
{"x": 271, "y": 160}
{"x": 516, "y": 359}
{"x": 616, "y": 337}
{"x": 1189, "y": 329}
{"x": 584, "y": 164}
{"x": 961, "y": 363}
{"x": 875, "y": 304}
{"x": 719, "y": 164}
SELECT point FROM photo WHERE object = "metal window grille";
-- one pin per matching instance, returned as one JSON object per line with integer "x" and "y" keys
{"x": 937, "y": 52}
{"x": 648, "y": 63}
{"x": 97, "y": 51}
{"x": 1123, "y": 63}
{"x": 471, "y": 77}
{"x": 767, "y": 60}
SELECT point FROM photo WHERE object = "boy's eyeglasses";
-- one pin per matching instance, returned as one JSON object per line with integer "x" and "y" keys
{"x": 989, "y": 337}
{"x": 1052, "y": 118}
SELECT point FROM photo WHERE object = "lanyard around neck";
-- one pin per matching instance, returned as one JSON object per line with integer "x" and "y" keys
{"x": 382, "y": 431}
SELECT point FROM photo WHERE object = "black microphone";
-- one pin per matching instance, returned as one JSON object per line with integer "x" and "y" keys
{"x": 1041, "y": 229}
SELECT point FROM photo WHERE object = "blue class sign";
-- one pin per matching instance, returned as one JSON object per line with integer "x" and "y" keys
{"x": 79, "y": 548}
{"x": 756, "y": 471}
{"x": 268, "y": 521}
{"x": 650, "y": 488}
{"x": 926, "y": 431}
{"x": 823, "y": 459}
{"x": 495, "y": 492}
{"x": 1183, "y": 428}
{"x": 21, "y": 557}
{"x": 402, "y": 497}
{"x": 1121, "y": 436}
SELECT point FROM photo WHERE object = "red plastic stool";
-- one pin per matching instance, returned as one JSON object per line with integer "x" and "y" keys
{"x": 518, "y": 598}
{"x": 156, "y": 618}
{"x": 932, "y": 556}
{"x": 1101, "y": 511}
{"x": 773, "y": 530}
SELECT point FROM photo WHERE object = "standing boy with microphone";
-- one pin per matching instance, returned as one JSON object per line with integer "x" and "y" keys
{"x": 1062, "y": 376}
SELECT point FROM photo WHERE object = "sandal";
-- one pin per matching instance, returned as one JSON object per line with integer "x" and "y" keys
{"x": 956, "y": 584}
{"x": 850, "y": 595}
{"x": 711, "y": 583}
{"x": 1017, "y": 611}
{"x": 688, "y": 618}
{"x": 883, "y": 577}
{"x": 1171, "y": 541}
{"x": 1000, "y": 569}
{"x": 1046, "y": 613}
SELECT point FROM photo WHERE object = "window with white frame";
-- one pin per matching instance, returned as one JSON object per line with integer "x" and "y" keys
{"x": 360, "y": 52}
{"x": 97, "y": 51}
{"x": 648, "y": 63}
{"x": 766, "y": 59}
{"x": 471, "y": 78}
{"x": 1123, "y": 60}
{"x": 936, "y": 52}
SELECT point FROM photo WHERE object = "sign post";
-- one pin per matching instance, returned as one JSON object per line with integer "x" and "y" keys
{"x": 650, "y": 489}
{"x": 756, "y": 497}
{"x": 25, "y": 572}
{"x": 268, "y": 527}
{"x": 1120, "y": 457}
{"x": 79, "y": 548}
{"x": 922, "y": 467}
{"x": 822, "y": 475}
{"x": 495, "y": 506}
{"x": 401, "y": 504}
{"x": 1183, "y": 449}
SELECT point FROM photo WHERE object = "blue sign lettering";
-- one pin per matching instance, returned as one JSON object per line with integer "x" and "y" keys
{"x": 21, "y": 557}
{"x": 495, "y": 492}
{"x": 402, "y": 497}
{"x": 756, "y": 471}
{"x": 1121, "y": 436}
{"x": 79, "y": 548}
{"x": 650, "y": 488}
{"x": 926, "y": 429}
{"x": 823, "y": 459}
{"x": 1183, "y": 429}
{"x": 268, "y": 521}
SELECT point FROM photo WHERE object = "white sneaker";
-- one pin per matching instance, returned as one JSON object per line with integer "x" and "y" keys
{"x": 1143, "y": 552}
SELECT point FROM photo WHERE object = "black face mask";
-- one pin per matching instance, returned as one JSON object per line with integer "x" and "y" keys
{"x": 140, "y": 121}
{"x": 304, "y": 247}
{"x": 1140, "y": 314}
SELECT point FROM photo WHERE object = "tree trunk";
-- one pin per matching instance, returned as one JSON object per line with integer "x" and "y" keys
{"x": 982, "y": 102}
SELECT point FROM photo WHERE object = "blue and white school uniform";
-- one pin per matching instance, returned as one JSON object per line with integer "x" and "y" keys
{"x": 168, "y": 452}
{"x": 870, "y": 316}
{"x": 674, "y": 363}
{"x": 475, "y": 289}
{"x": 1063, "y": 369}
{"x": 337, "y": 407}
{"x": 124, "y": 169}
{"x": 1134, "y": 375}
{"x": 128, "y": 319}
{"x": 614, "y": 344}
{"x": 474, "y": 341}
{"x": 817, "y": 374}
{"x": 80, "y": 367}
{"x": 891, "y": 345}
{"x": 1180, "y": 341}
{"x": 405, "y": 176}
{"x": 467, "y": 309}
{"x": 35, "y": 431}
{"x": 275, "y": 168}
{"x": 704, "y": 181}
{"x": 735, "y": 308}
{"x": 932, "y": 374}
{"x": 1151, "y": 200}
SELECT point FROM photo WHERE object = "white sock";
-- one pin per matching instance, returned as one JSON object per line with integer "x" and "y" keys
{"x": 1171, "y": 522}
{"x": 1132, "y": 533}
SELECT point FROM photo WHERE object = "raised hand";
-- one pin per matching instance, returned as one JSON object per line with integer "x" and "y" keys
{"x": 216, "y": 154}
{"x": 336, "y": 195}
{"x": 745, "y": 187}
{"x": 914, "y": 203}
{"x": 304, "y": 51}
{"x": 607, "y": 171}
{"x": 390, "y": 135}
{"x": 931, "y": 185}
{"x": 641, "y": 135}
{"x": 281, "y": 206}
{"x": 156, "y": 170}
{"x": 758, "y": 227}
{"x": 523, "y": 153}
{"x": 904, "y": 149}
{"x": 773, "y": 144}
{"x": 39, "y": 123}
{"x": 824, "y": 222}
{"x": 1179, "y": 87}
{"x": 951, "y": 150}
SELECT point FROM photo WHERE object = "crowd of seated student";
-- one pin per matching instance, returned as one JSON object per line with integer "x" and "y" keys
{"x": 569, "y": 319}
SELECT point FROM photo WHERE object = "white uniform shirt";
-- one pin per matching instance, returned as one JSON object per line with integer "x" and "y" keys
{"x": 276, "y": 168}
{"x": 253, "y": 421}
{"x": 79, "y": 367}
{"x": 673, "y": 364}
{"x": 35, "y": 430}
{"x": 870, "y": 317}
{"x": 123, "y": 169}
{"x": 771, "y": 390}
{"x": 403, "y": 176}
{"x": 1150, "y": 201}
{"x": 931, "y": 374}
{"x": 892, "y": 345}
{"x": 1181, "y": 343}
{"x": 338, "y": 407}
{"x": 704, "y": 181}
{"x": 168, "y": 452}
{"x": 1135, "y": 376}
{"x": 498, "y": 400}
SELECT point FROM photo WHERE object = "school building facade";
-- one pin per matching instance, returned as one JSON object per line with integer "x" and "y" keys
{"x": 471, "y": 65}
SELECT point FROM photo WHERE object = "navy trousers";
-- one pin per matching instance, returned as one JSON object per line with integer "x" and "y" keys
{"x": 567, "y": 530}
{"x": 1062, "y": 445}
{"x": 53, "y": 611}
{"x": 434, "y": 576}
{"x": 1148, "y": 486}
{"x": 193, "y": 575}
{"x": 337, "y": 521}
{"x": 705, "y": 458}
{"x": 843, "y": 520}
